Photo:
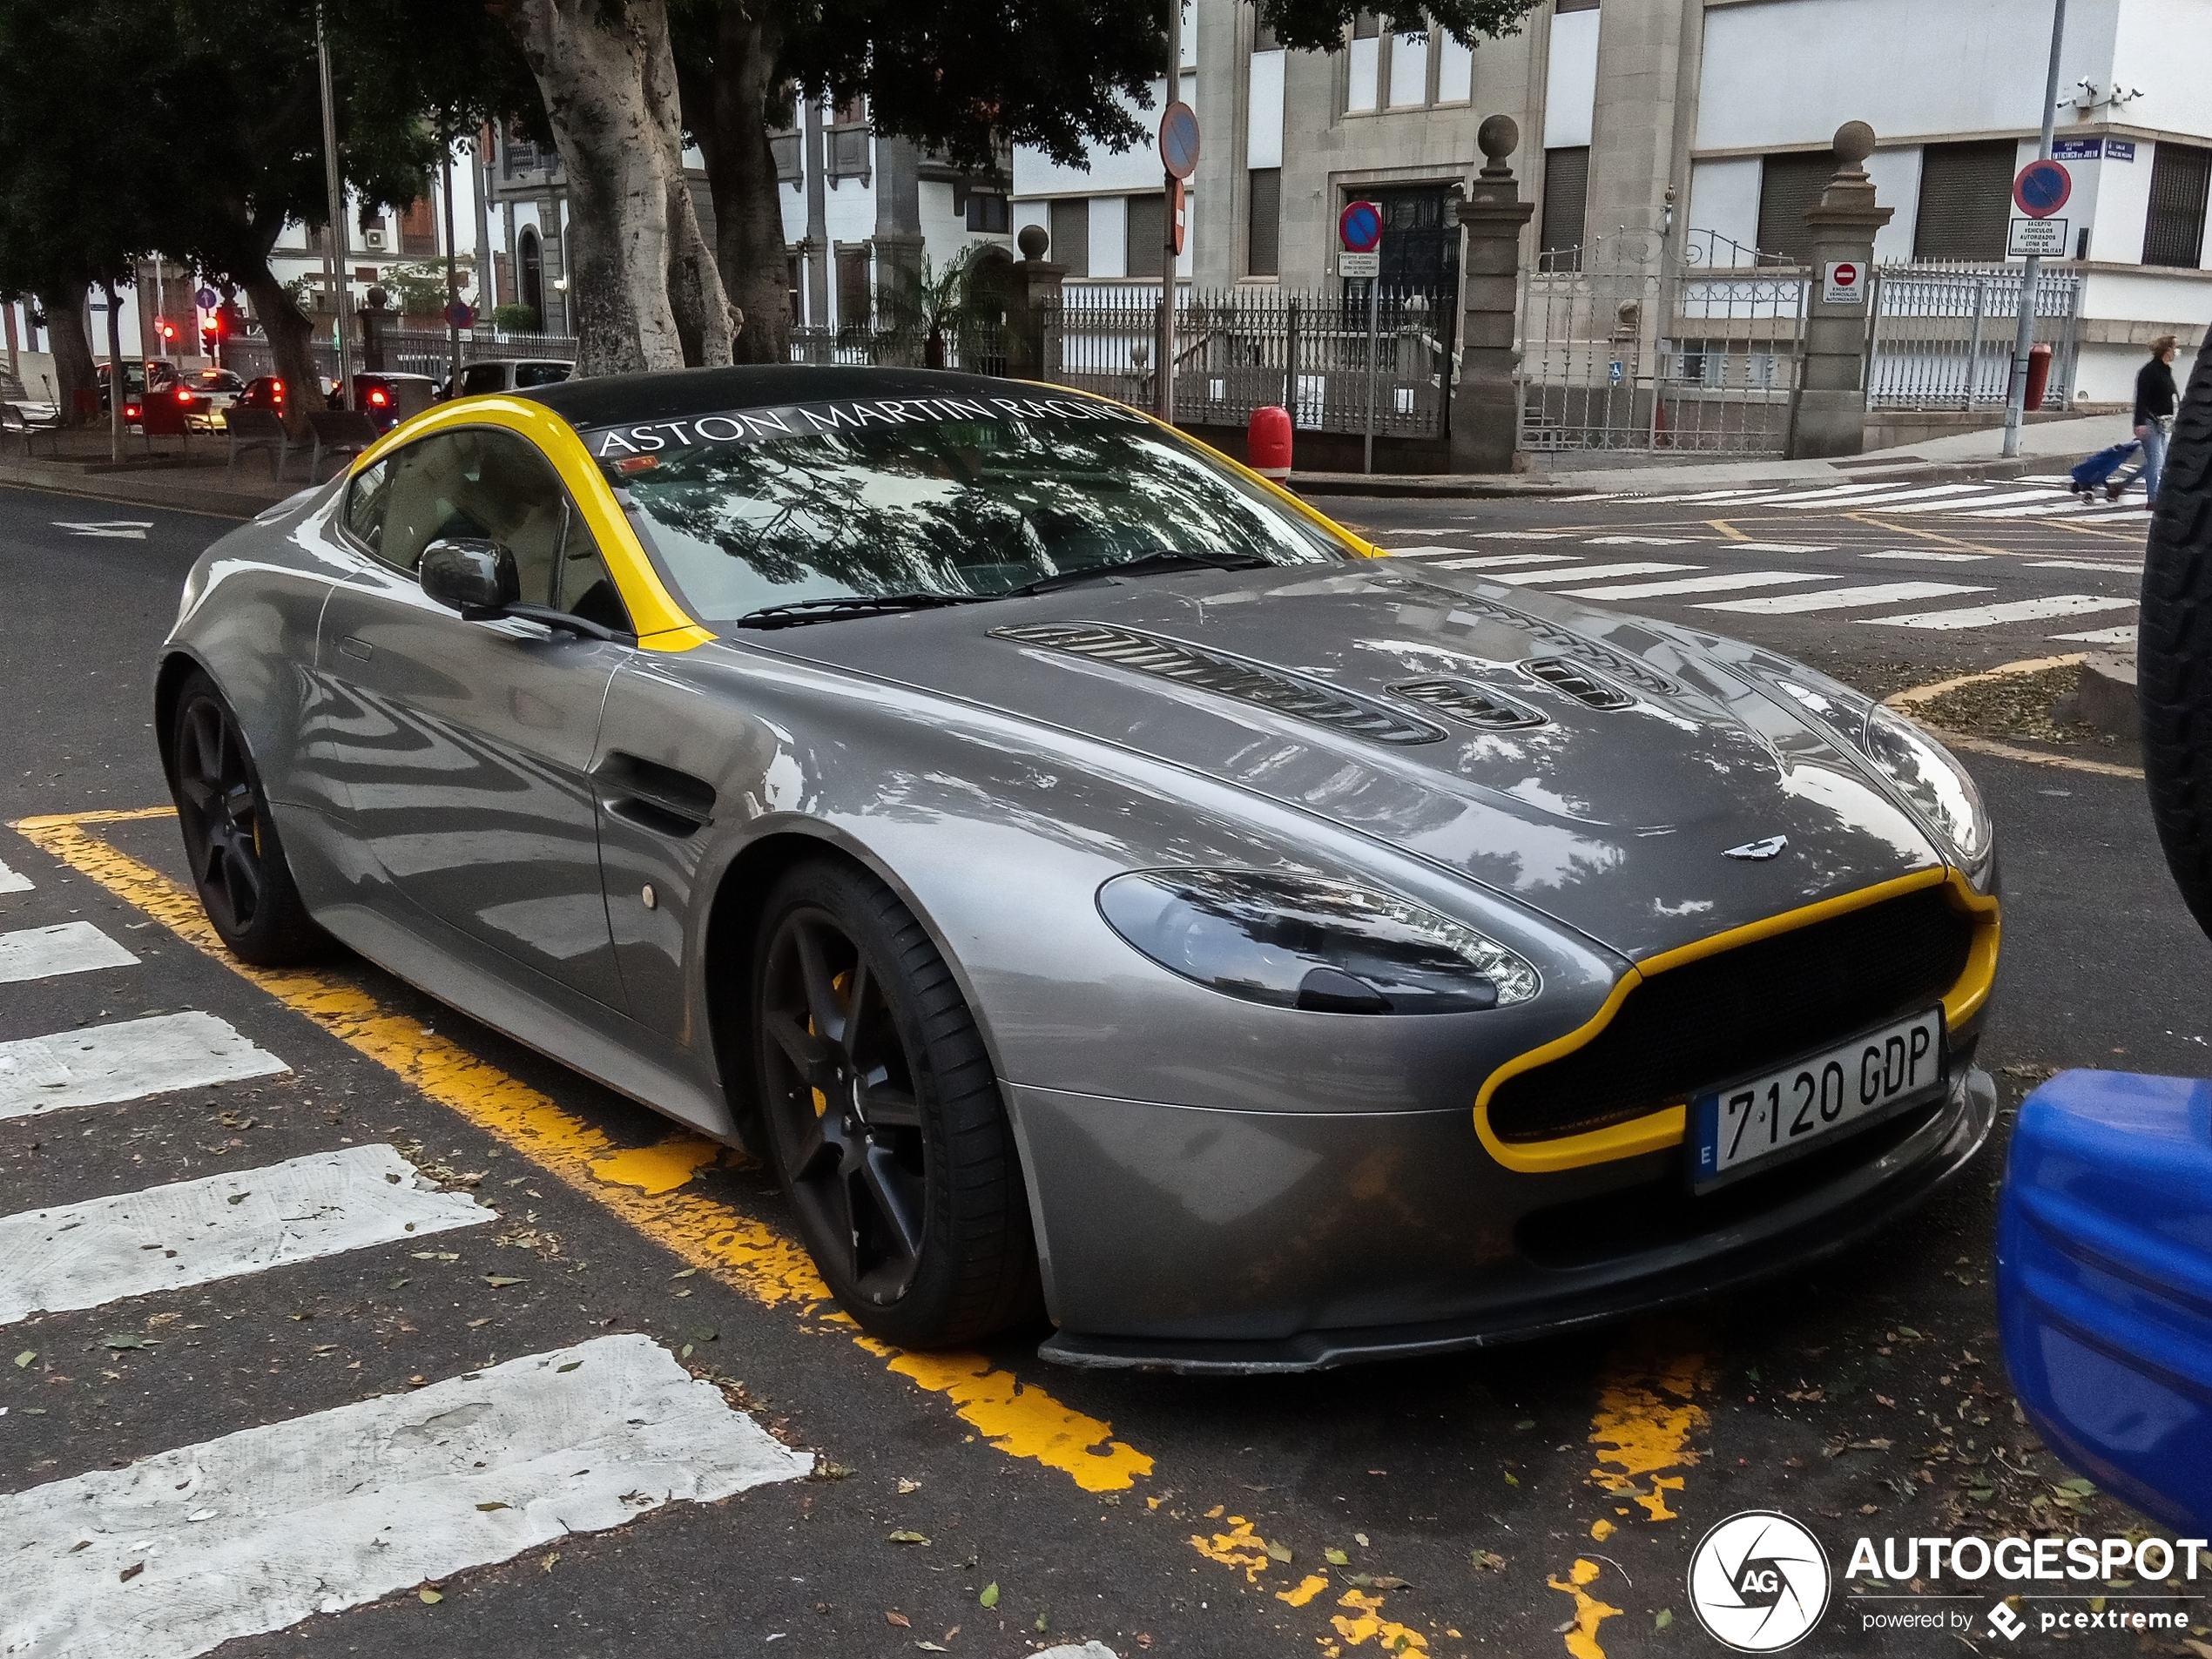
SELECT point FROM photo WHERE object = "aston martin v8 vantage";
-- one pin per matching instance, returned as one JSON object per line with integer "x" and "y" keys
{"x": 1099, "y": 886}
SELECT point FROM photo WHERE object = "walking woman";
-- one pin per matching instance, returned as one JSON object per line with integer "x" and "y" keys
{"x": 2155, "y": 400}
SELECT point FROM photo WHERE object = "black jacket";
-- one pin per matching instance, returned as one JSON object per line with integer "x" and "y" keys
{"x": 2154, "y": 391}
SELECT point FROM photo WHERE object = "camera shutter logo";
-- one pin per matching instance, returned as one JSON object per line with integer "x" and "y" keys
{"x": 1759, "y": 1583}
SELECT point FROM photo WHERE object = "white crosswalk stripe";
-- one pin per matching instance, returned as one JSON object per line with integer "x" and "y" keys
{"x": 1925, "y": 492}
{"x": 2102, "y": 637}
{"x": 195, "y": 1233}
{"x": 1777, "y": 547}
{"x": 1638, "y": 541}
{"x": 1781, "y": 604}
{"x": 2060, "y": 604}
{"x": 261, "y": 1529}
{"x": 13, "y": 881}
{"x": 2043, "y": 497}
{"x": 2053, "y": 507}
{"x": 68, "y": 947}
{"x": 2131, "y": 568}
{"x": 1700, "y": 584}
{"x": 1701, "y": 495}
{"x": 1587, "y": 573}
{"x": 101, "y": 1064}
{"x": 1934, "y": 556}
{"x": 1419, "y": 552}
{"x": 1503, "y": 561}
{"x": 1520, "y": 535}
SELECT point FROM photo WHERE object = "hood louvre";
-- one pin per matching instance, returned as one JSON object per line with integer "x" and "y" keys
{"x": 1232, "y": 677}
{"x": 1564, "y": 641}
{"x": 1463, "y": 700}
{"x": 1579, "y": 684}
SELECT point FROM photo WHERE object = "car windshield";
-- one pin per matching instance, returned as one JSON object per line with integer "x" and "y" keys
{"x": 959, "y": 498}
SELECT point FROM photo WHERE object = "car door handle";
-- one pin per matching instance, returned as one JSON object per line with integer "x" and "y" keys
{"x": 654, "y": 797}
{"x": 353, "y": 645}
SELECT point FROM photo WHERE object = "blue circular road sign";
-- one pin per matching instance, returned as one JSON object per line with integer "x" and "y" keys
{"x": 208, "y": 299}
{"x": 2042, "y": 188}
{"x": 1179, "y": 139}
{"x": 462, "y": 314}
{"x": 1359, "y": 227}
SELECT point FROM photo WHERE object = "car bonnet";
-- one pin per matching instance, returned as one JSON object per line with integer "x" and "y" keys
{"x": 1598, "y": 768}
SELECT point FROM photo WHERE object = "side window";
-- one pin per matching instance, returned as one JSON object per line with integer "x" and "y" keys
{"x": 481, "y": 484}
{"x": 367, "y": 502}
{"x": 481, "y": 377}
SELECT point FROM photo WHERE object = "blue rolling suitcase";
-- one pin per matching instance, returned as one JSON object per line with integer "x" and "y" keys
{"x": 2100, "y": 466}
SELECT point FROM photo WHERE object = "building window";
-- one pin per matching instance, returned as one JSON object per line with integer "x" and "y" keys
{"x": 1567, "y": 194}
{"x": 1147, "y": 232}
{"x": 1366, "y": 25}
{"x": 531, "y": 258}
{"x": 1070, "y": 231}
{"x": 791, "y": 285}
{"x": 987, "y": 213}
{"x": 1965, "y": 200}
{"x": 1788, "y": 185}
{"x": 418, "y": 229}
{"x": 1263, "y": 238}
{"x": 855, "y": 306}
{"x": 1364, "y": 67}
{"x": 1263, "y": 38}
{"x": 1575, "y": 5}
{"x": 2174, "y": 229}
{"x": 847, "y": 141}
{"x": 785, "y": 146}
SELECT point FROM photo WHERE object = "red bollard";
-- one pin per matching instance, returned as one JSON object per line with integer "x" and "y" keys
{"x": 1267, "y": 442}
{"x": 2039, "y": 373}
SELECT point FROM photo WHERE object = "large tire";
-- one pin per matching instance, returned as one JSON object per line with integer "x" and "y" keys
{"x": 231, "y": 842}
{"x": 2173, "y": 650}
{"x": 883, "y": 1115}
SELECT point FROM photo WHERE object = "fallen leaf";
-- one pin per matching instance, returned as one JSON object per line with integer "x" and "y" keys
{"x": 1512, "y": 1480}
{"x": 431, "y": 1596}
{"x": 1360, "y": 1538}
{"x": 898, "y": 1619}
{"x": 909, "y": 1485}
{"x": 990, "y": 1595}
{"x": 548, "y": 1562}
{"x": 1040, "y": 1627}
{"x": 1526, "y": 1422}
{"x": 932, "y": 1647}
{"x": 1336, "y": 1557}
{"x": 1280, "y": 1553}
{"x": 1664, "y": 1617}
{"x": 500, "y": 1283}
{"x": 131, "y": 1571}
{"x": 1144, "y": 1641}
{"x": 571, "y": 1366}
{"x": 1869, "y": 1509}
{"x": 685, "y": 1273}
{"x": 904, "y": 1537}
{"x": 435, "y": 1256}
{"x": 494, "y": 1504}
{"x": 1883, "y": 1400}
{"x": 1906, "y": 1331}
{"x": 201, "y": 1514}
{"x": 126, "y": 1339}
{"x": 399, "y": 1284}
{"x": 1387, "y": 1581}
{"x": 25, "y": 1358}
{"x": 2077, "y": 1487}
{"x": 1488, "y": 1560}
{"x": 87, "y": 1544}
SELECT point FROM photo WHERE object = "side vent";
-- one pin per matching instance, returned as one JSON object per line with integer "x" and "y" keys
{"x": 1232, "y": 677}
{"x": 1470, "y": 703}
{"x": 1582, "y": 686}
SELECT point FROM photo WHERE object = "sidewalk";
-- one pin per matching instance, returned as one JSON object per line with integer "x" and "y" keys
{"x": 2046, "y": 445}
{"x": 194, "y": 483}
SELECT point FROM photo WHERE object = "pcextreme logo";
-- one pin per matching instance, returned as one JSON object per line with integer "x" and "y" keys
{"x": 1759, "y": 1581}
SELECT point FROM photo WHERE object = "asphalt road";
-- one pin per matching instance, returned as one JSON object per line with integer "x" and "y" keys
{"x": 1540, "y": 1501}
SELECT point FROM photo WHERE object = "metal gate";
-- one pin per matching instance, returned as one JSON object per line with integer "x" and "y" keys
{"x": 1633, "y": 343}
{"x": 1942, "y": 335}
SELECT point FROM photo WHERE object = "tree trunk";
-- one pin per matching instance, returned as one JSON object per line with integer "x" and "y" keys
{"x": 73, "y": 350}
{"x": 704, "y": 323}
{"x": 741, "y": 174}
{"x": 599, "y": 71}
{"x": 291, "y": 337}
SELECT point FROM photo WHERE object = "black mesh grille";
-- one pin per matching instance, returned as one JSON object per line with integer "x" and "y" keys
{"x": 1248, "y": 681}
{"x": 1463, "y": 700}
{"x": 1757, "y": 1005}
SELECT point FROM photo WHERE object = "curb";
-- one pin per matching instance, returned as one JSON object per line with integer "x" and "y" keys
{"x": 1637, "y": 480}
{"x": 151, "y": 488}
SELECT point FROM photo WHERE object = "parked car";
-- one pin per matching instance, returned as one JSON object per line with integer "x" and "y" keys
{"x": 207, "y": 394}
{"x": 998, "y": 811}
{"x": 164, "y": 373}
{"x": 390, "y": 399}
{"x": 513, "y": 374}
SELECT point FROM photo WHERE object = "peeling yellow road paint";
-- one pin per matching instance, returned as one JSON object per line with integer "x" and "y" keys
{"x": 1590, "y": 1611}
{"x": 1022, "y": 1419}
{"x": 1309, "y": 1586}
{"x": 1646, "y": 1415}
{"x": 1366, "y": 1623}
{"x": 641, "y": 1185}
{"x": 1602, "y": 1529}
{"x": 1239, "y": 1547}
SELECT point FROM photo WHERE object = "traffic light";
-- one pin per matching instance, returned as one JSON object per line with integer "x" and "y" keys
{"x": 166, "y": 330}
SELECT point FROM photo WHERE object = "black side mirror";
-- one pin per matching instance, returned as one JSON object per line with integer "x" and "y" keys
{"x": 476, "y": 577}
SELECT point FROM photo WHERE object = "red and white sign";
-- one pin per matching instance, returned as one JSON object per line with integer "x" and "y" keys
{"x": 1843, "y": 283}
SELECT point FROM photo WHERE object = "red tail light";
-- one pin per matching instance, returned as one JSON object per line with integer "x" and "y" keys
{"x": 132, "y": 412}
{"x": 184, "y": 395}
{"x": 376, "y": 396}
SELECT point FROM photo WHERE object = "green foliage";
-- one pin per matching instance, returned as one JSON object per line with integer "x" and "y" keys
{"x": 514, "y": 319}
{"x": 1319, "y": 25}
{"x": 418, "y": 288}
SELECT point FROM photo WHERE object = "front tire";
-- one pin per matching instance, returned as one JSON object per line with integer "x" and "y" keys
{"x": 883, "y": 1115}
{"x": 238, "y": 863}
{"x": 2174, "y": 651}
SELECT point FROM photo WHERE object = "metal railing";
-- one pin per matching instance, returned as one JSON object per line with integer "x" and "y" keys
{"x": 1940, "y": 335}
{"x": 978, "y": 348}
{"x": 1311, "y": 352}
{"x": 406, "y": 351}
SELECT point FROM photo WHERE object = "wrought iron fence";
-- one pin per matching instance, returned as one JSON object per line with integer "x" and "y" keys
{"x": 1629, "y": 345}
{"x": 979, "y": 348}
{"x": 1311, "y": 352}
{"x": 1942, "y": 335}
{"x": 406, "y": 351}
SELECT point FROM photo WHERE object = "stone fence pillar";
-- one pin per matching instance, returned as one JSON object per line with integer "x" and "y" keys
{"x": 1486, "y": 405}
{"x": 1032, "y": 350}
{"x": 1829, "y": 417}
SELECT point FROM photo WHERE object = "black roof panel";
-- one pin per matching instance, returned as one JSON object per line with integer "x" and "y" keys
{"x": 663, "y": 395}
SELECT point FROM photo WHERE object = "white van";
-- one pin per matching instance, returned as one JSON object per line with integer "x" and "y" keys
{"x": 513, "y": 374}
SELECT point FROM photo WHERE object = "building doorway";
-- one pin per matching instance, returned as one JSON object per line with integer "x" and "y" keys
{"x": 531, "y": 257}
{"x": 1420, "y": 245}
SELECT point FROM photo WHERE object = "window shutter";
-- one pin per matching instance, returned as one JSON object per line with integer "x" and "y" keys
{"x": 2174, "y": 229}
{"x": 1263, "y": 243}
{"x": 1965, "y": 200}
{"x": 1789, "y": 185}
{"x": 1567, "y": 194}
{"x": 1147, "y": 233}
{"x": 1070, "y": 232}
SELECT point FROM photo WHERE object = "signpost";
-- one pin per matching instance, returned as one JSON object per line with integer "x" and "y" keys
{"x": 1359, "y": 229}
{"x": 1179, "y": 156}
{"x": 1843, "y": 282}
{"x": 2044, "y": 238}
{"x": 2040, "y": 191}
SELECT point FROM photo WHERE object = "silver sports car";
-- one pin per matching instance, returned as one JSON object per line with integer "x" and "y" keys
{"x": 1100, "y": 885}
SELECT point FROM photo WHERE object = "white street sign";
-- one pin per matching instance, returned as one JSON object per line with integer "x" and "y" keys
{"x": 2046, "y": 237}
{"x": 1359, "y": 265}
{"x": 1843, "y": 282}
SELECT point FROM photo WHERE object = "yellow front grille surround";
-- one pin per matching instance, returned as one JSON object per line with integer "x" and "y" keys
{"x": 1656, "y": 1131}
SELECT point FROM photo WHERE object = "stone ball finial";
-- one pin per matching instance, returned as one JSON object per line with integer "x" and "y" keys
{"x": 1853, "y": 142}
{"x": 1499, "y": 137}
{"x": 1033, "y": 242}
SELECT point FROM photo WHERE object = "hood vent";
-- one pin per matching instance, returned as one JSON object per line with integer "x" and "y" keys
{"x": 1557, "y": 671}
{"x": 1470, "y": 703}
{"x": 1248, "y": 681}
{"x": 1620, "y": 666}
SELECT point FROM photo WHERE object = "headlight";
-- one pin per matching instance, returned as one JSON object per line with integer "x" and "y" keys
{"x": 1931, "y": 779}
{"x": 1324, "y": 946}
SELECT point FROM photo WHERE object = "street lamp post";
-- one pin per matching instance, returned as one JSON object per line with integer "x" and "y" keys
{"x": 453, "y": 291}
{"x": 2024, "y": 335}
{"x": 334, "y": 251}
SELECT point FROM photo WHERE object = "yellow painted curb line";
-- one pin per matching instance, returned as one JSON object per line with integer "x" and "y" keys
{"x": 1907, "y": 701}
{"x": 640, "y": 1184}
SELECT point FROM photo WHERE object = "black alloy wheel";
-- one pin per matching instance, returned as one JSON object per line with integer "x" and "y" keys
{"x": 2174, "y": 653}
{"x": 230, "y": 841}
{"x": 884, "y": 1117}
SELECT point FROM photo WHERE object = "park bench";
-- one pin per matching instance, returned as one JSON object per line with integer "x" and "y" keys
{"x": 262, "y": 430}
{"x": 341, "y": 432}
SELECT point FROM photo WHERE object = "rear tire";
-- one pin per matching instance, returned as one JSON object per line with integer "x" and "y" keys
{"x": 2174, "y": 648}
{"x": 883, "y": 1114}
{"x": 238, "y": 863}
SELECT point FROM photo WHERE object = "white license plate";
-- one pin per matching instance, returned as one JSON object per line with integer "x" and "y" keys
{"x": 1766, "y": 1117}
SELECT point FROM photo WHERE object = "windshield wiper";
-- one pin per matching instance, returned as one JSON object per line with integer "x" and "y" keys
{"x": 1147, "y": 565}
{"x": 835, "y": 609}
